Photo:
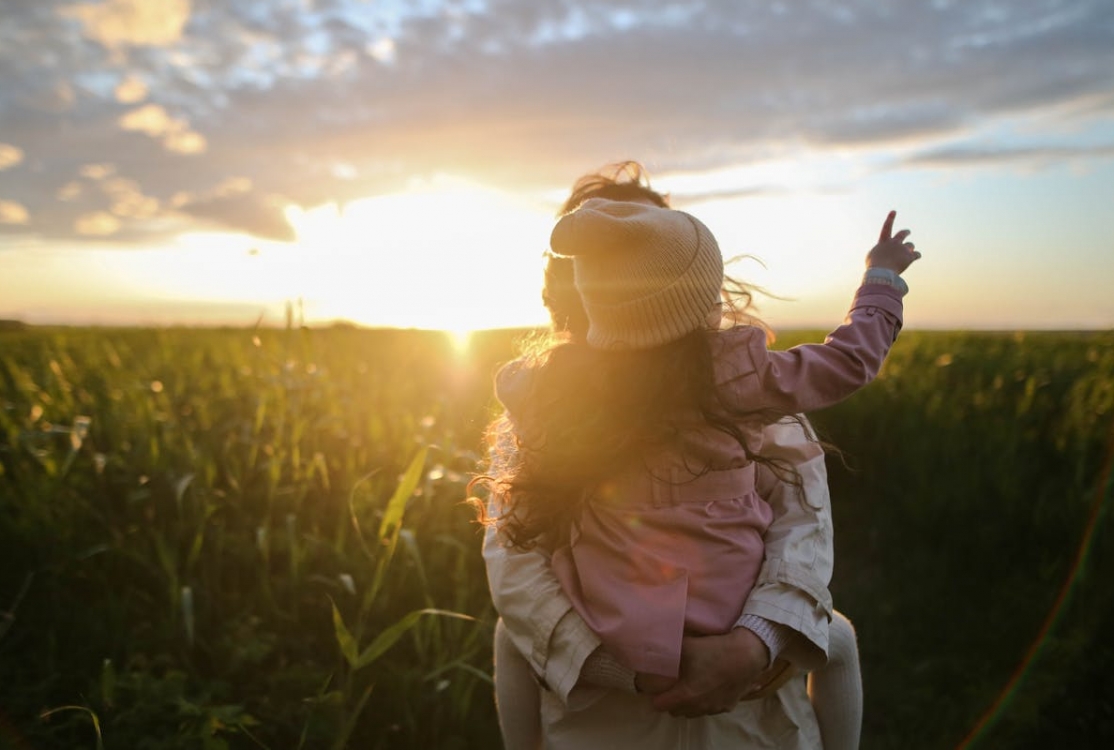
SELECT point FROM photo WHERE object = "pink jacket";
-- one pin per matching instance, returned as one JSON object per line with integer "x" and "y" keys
{"x": 660, "y": 553}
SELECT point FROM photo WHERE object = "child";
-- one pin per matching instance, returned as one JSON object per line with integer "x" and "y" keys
{"x": 637, "y": 450}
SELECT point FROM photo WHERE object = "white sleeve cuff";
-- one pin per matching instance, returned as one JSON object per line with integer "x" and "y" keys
{"x": 604, "y": 670}
{"x": 887, "y": 277}
{"x": 775, "y": 635}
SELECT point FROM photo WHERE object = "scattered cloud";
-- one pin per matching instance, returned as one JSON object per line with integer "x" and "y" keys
{"x": 128, "y": 201}
{"x": 96, "y": 224}
{"x": 174, "y": 133}
{"x": 232, "y": 186}
{"x": 70, "y": 191}
{"x": 333, "y": 100}
{"x": 261, "y": 216}
{"x": 233, "y": 204}
{"x": 130, "y": 90}
{"x": 13, "y": 213}
{"x": 115, "y": 23}
{"x": 382, "y": 50}
{"x": 10, "y": 156}
{"x": 96, "y": 171}
{"x": 951, "y": 157}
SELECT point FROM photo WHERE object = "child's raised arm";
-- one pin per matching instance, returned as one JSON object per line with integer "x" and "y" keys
{"x": 814, "y": 376}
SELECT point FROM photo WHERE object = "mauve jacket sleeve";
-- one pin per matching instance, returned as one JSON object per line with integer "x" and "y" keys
{"x": 811, "y": 376}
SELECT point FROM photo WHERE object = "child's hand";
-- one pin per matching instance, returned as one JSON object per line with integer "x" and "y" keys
{"x": 893, "y": 252}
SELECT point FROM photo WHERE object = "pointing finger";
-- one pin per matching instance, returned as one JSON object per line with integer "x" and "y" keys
{"x": 887, "y": 226}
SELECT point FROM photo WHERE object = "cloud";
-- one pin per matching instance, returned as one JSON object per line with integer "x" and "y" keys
{"x": 679, "y": 199}
{"x": 116, "y": 23}
{"x": 130, "y": 90}
{"x": 175, "y": 133}
{"x": 96, "y": 171}
{"x": 97, "y": 224}
{"x": 10, "y": 156}
{"x": 13, "y": 213}
{"x": 233, "y": 204}
{"x": 128, "y": 201}
{"x": 261, "y": 216}
{"x": 232, "y": 186}
{"x": 953, "y": 156}
{"x": 70, "y": 191}
{"x": 339, "y": 99}
{"x": 382, "y": 50}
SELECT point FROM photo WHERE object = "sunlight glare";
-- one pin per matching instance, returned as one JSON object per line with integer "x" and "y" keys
{"x": 445, "y": 254}
{"x": 217, "y": 267}
{"x": 460, "y": 338}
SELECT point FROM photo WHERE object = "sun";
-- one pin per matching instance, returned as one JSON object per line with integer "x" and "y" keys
{"x": 446, "y": 254}
{"x": 460, "y": 338}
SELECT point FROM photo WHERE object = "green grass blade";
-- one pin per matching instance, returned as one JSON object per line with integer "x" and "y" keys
{"x": 392, "y": 515}
{"x": 92, "y": 715}
{"x": 390, "y": 636}
{"x": 344, "y": 638}
{"x": 392, "y": 519}
{"x": 350, "y": 721}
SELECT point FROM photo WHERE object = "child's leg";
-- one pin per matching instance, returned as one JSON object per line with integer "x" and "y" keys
{"x": 516, "y": 695}
{"x": 836, "y": 690}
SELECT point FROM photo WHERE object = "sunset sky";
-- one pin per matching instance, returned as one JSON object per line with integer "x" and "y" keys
{"x": 399, "y": 163}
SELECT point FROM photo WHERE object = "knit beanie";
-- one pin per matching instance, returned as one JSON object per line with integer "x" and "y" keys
{"x": 646, "y": 275}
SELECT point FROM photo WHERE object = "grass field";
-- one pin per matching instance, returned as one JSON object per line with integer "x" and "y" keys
{"x": 243, "y": 539}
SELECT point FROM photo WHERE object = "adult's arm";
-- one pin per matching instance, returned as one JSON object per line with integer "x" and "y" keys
{"x": 537, "y": 615}
{"x": 792, "y": 586}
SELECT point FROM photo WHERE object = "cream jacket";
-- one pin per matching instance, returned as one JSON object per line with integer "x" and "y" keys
{"x": 791, "y": 590}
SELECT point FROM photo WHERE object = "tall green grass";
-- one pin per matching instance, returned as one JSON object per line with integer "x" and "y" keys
{"x": 973, "y": 535}
{"x": 181, "y": 512}
{"x": 237, "y": 538}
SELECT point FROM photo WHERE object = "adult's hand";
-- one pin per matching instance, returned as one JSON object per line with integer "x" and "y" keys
{"x": 716, "y": 671}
